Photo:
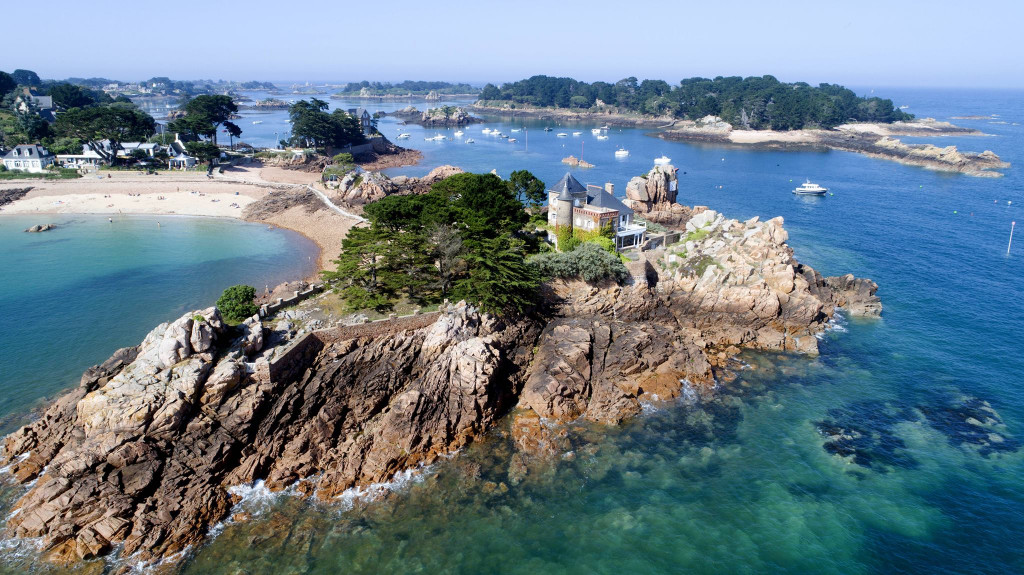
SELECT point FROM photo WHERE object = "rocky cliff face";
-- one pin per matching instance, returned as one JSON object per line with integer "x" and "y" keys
{"x": 654, "y": 197}
{"x": 145, "y": 450}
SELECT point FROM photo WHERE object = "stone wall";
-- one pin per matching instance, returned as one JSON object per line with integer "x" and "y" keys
{"x": 269, "y": 309}
{"x": 301, "y": 352}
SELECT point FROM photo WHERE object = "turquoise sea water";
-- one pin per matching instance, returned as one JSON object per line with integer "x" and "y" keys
{"x": 743, "y": 483}
{"x": 73, "y": 295}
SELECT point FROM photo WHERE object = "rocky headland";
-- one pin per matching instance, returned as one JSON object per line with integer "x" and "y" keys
{"x": 142, "y": 454}
{"x": 875, "y": 140}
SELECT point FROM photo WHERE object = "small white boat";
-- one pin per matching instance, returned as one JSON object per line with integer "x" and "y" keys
{"x": 602, "y": 137}
{"x": 404, "y": 136}
{"x": 510, "y": 140}
{"x": 810, "y": 189}
{"x": 576, "y": 133}
{"x": 620, "y": 153}
{"x": 458, "y": 133}
{"x": 515, "y": 129}
{"x": 437, "y": 138}
{"x": 486, "y": 130}
{"x": 662, "y": 160}
{"x": 562, "y": 135}
{"x": 470, "y": 141}
{"x": 595, "y": 131}
{"x": 257, "y": 122}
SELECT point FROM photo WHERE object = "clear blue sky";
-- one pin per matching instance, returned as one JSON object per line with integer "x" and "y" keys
{"x": 864, "y": 43}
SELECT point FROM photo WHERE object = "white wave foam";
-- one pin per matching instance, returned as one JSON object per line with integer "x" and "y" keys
{"x": 18, "y": 459}
{"x": 837, "y": 324}
{"x": 401, "y": 480}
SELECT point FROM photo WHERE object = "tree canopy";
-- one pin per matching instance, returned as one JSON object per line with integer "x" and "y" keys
{"x": 204, "y": 115}
{"x": 26, "y": 77}
{"x": 754, "y": 102}
{"x": 458, "y": 240}
{"x": 313, "y": 126}
{"x": 117, "y": 122}
{"x": 7, "y": 84}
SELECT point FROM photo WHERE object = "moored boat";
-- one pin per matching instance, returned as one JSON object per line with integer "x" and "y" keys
{"x": 562, "y": 135}
{"x": 662, "y": 160}
{"x": 809, "y": 188}
{"x": 621, "y": 153}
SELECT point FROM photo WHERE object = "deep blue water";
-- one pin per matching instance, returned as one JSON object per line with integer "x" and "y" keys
{"x": 73, "y": 295}
{"x": 743, "y": 484}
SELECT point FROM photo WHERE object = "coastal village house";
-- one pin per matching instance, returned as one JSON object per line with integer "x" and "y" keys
{"x": 41, "y": 105}
{"x": 28, "y": 158}
{"x": 89, "y": 158}
{"x": 588, "y": 209}
{"x": 364, "y": 117}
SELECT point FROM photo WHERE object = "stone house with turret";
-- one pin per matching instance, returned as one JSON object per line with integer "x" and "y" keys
{"x": 589, "y": 208}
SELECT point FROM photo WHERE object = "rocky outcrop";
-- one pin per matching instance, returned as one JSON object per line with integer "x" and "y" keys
{"x": 41, "y": 228}
{"x": 654, "y": 197}
{"x": 12, "y": 195}
{"x": 445, "y": 116}
{"x": 144, "y": 457}
{"x": 856, "y": 295}
{"x": 143, "y": 453}
{"x": 356, "y": 189}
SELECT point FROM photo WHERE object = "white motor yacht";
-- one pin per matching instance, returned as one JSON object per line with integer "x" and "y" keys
{"x": 810, "y": 189}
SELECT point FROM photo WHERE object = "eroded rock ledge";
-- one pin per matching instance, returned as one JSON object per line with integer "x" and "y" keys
{"x": 145, "y": 450}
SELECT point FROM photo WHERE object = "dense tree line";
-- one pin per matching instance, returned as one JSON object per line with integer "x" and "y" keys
{"x": 410, "y": 87}
{"x": 754, "y": 102}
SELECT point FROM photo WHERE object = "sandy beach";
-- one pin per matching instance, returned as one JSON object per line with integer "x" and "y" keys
{"x": 188, "y": 194}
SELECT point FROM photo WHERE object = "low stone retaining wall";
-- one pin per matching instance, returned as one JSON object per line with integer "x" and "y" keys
{"x": 300, "y": 353}
{"x": 269, "y": 309}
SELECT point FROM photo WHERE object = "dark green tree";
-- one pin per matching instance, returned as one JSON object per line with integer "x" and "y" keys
{"x": 26, "y": 77}
{"x": 116, "y": 122}
{"x": 527, "y": 188}
{"x": 66, "y": 96}
{"x": 359, "y": 269}
{"x": 499, "y": 281}
{"x": 204, "y": 152}
{"x": 213, "y": 110}
{"x": 7, "y": 84}
{"x": 236, "y": 303}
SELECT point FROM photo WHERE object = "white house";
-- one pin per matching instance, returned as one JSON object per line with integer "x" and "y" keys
{"x": 28, "y": 158}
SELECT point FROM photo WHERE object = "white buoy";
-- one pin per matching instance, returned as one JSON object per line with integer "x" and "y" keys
{"x": 1012, "y": 225}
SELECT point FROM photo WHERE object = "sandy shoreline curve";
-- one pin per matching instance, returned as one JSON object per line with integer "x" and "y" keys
{"x": 188, "y": 194}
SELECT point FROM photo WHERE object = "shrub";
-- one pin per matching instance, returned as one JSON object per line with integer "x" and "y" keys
{"x": 236, "y": 304}
{"x": 344, "y": 159}
{"x": 588, "y": 261}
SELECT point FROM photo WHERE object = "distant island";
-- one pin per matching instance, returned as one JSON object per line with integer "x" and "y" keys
{"x": 755, "y": 103}
{"x": 406, "y": 89}
{"x": 750, "y": 112}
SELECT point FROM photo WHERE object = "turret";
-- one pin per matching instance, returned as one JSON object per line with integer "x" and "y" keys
{"x": 563, "y": 209}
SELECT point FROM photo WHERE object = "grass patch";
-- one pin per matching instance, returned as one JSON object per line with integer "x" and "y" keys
{"x": 696, "y": 235}
{"x": 59, "y": 174}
